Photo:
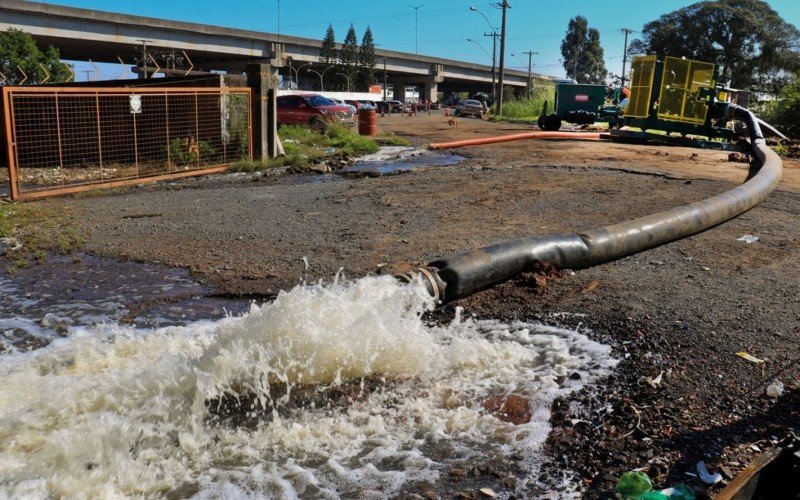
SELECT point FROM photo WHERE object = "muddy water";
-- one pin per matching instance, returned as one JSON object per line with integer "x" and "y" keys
{"x": 46, "y": 299}
{"x": 396, "y": 160}
{"x": 338, "y": 390}
{"x": 390, "y": 160}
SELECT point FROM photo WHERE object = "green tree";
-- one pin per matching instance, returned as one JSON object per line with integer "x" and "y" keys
{"x": 19, "y": 50}
{"x": 348, "y": 57}
{"x": 749, "y": 42}
{"x": 366, "y": 62}
{"x": 328, "y": 56}
{"x": 582, "y": 52}
{"x": 784, "y": 116}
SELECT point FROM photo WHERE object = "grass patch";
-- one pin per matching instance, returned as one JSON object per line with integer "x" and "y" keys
{"x": 304, "y": 146}
{"x": 526, "y": 109}
{"x": 389, "y": 139}
{"x": 39, "y": 228}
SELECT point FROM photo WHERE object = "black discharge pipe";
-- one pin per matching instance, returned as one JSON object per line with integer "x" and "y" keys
{"x": 456, "y": 277}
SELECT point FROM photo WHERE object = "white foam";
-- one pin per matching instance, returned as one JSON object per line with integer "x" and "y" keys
{"x": 113, "y": 410}
{"x": 391, "y": 153}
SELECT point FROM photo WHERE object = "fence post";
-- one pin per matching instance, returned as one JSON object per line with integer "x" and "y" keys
{"x": 263, "y": 81}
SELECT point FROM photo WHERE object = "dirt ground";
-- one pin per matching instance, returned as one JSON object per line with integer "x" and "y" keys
{"x": 682, "y": 310}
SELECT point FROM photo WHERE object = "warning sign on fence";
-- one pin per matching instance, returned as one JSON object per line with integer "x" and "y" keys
{"x": 136, "y": 103}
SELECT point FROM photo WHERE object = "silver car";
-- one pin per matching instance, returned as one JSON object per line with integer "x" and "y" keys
{"x": 470, "y": 107}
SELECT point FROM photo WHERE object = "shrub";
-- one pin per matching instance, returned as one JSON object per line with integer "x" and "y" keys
{"x": 528, "y": 108}
{"x": 183, "y": 151}
{"x": 785, "y": 113}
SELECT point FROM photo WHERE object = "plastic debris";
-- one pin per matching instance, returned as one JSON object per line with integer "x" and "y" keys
{"x": 775, "y": 389}
{"x": 637, "y": 486}
{"x": 633, "y": 485}
{"x": 748, "y": 238}
{"x": 707, "y": 477}
{"x": 749, "y": 357}
{"x": 655, "y": 382}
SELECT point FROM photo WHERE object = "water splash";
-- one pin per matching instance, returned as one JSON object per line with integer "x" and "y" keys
{"x": 341, "y": 389}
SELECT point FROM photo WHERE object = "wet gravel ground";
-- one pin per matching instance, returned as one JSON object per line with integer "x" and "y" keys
{"x": 681, "y": 311}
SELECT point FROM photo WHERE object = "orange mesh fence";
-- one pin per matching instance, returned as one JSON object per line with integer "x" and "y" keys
{"x": 63, "y": 140}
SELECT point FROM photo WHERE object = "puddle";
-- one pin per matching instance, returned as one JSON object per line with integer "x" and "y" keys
{"x": 396, "y": 160}
{"x": 46, "y": 300}
{"x": 390, "y": 160}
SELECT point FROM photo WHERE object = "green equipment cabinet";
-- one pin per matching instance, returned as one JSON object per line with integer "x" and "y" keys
{"x": 581, "y": 104}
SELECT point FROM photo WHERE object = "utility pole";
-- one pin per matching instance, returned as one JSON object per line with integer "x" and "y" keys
{"x": 279, "y": 19}
{"x": 494, "y": 35}
{"x": 505, "y": 6}
{"x": 416, "y": 27}
{"x": 384, "y": 80}
{"x": 144, "y": 57}
{"x": 625, "y": 55}
{"x": 530, "y": 58}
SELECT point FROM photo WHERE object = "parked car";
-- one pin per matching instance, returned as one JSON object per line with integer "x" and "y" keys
{"x": 396, "y": 106}
{"x": 343, "y": 103}
{"x": 470, "y": 107}
{"x": 360, "y": 104}
{"x": 313, "y": 110}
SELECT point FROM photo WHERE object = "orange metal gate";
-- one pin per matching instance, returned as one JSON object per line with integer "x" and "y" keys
{"x": 67, "y": 139}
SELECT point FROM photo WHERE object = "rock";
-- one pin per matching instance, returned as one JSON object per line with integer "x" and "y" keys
{"x": 456, "y": 472}
{"x": 488, "y": 492}
{"x": 9, "y": 244}
{"x": 430, "y": 495}
{"x": 738, "y": 158}
{"x": 320, "y": 168}
{"x": 513, "y": 409}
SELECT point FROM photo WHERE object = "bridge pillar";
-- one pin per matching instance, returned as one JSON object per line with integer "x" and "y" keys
{"x": 430, "y": 89}
{"x": 399, "y": 90}
{"x": 263, "y": 82}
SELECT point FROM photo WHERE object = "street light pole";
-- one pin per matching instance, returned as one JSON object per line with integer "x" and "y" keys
{"x": 505, "y": 6}
{"x": 416, "y": 27}
{"x": 297, "y": 72}
{"x": 494, "y": 36}
{"x": 479, "y": 45}
{"x": 346, "y": 78}
{"x": 320, "y": 75}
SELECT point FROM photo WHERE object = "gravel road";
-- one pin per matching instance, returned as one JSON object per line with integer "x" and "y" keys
{"x": 682, "y": 310}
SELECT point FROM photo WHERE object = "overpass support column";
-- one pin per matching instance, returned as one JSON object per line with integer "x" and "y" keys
{"x": 399, "y": 90}
{"x": 430, "y": 89}
{"x": 263, "y": 82}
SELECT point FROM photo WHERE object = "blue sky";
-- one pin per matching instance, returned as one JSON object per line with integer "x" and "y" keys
{"x": 444, "y": 25}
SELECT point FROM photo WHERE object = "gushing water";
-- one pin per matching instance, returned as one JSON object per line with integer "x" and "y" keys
{"x": 335, "y": 390}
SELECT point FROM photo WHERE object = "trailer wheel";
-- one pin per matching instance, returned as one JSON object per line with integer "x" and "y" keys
{"x": 552, "y": 123}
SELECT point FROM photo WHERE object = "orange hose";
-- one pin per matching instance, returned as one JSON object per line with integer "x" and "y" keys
{"x": 578, "y": 136}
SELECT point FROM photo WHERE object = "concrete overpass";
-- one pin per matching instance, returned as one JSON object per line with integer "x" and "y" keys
{"x": 82, "y": 34}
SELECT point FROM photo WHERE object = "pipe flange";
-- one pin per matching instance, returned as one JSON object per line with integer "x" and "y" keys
{"x": 430, "y": 279}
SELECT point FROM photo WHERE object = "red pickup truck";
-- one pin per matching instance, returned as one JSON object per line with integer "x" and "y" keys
{"x": 313, "y": 110}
